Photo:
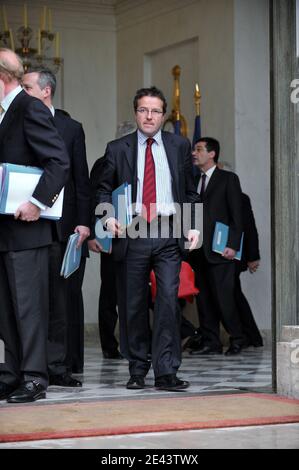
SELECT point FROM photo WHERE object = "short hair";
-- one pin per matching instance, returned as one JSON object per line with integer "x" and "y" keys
{"x": 212, "y": 145}
{"x": 9, "y": 69}
{"x": 152, "y": 91}
{"x": 45, "y": 78}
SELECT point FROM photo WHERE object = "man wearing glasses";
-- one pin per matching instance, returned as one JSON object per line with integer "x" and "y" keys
{"x": 158, "y": 165}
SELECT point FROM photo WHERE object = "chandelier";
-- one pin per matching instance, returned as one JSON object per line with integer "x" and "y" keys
{"x": 36, "y": 48}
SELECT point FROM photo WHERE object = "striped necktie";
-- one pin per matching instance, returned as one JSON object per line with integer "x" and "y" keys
{"x": 149, "y": 184}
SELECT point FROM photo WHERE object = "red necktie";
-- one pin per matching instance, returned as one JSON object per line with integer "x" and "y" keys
{"x": 149, "y": 184}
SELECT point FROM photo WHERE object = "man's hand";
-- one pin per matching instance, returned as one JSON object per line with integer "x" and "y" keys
{"x": 114, "y": 226}
{"x": 84, "y": 233}
{"x": 253, "y": 265}
{"x": 94, "y": 246}
{"x": 193, "y": 238}
{"x": 229, "y": 253}
{"x": 27, "y": 212}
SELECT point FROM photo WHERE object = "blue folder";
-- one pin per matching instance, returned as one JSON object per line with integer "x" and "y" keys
{"x": 72, "y": 256}
{"x": 22, "y": 192}
{"x": 220, "y": 240}
{"x": 122, "y": 202}
{"x": 104, "y": 237}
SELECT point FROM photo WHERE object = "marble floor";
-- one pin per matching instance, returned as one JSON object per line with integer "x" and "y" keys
{"x": 105, "y": 380}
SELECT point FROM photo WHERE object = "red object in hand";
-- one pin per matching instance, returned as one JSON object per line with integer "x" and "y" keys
{"x": 187, "y": 286}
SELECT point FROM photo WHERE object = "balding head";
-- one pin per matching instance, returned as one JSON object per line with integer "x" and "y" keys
{"x": 11, "y": 67}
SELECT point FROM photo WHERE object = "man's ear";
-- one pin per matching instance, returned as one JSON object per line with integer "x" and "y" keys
{"x": 47, "y": 91}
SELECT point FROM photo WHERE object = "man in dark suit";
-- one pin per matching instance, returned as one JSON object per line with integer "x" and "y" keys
{"x": 107, "y": 312}
{"x": 65, "y": 294}
{"x": 250, "y": 260}
{"x": 158, "y": 166}
{"x": 28, "y": 136}
{"x": 221, "y": 196}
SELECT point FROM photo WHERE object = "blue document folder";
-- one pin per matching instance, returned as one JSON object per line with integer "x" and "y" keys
{"x": 18, "y": 183}
{"x": 220, "y": 239}
{"x": 104, "y": 237}
{"x": 122, "y": 202}
{"x": 72, "y": 256}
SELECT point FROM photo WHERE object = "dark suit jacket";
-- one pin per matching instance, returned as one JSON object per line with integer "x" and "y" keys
{"x": 251, "y": 240}
{"x": 121, "y": 166}
{"x": 77, "y": 192}
{"x": 222, "y": 202}
{"x": 28, "y": 136}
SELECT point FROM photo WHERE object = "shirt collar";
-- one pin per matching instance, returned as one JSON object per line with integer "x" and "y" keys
{"x": 52, "y": 109}
{"x": 143, "y": 138}
{"x": 6, "y": 102}
{"x": 210, "y": 171}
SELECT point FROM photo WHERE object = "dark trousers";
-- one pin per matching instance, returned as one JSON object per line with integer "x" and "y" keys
{"x": 249, "y": 326}
{"x": 75, "y": 313}
{"x": 216, "y": 300}
{"x": 24, "y": 315}
{"x": 65, "y": 335}
{"x": 107, "y": 312}
{"x": 164, "y": 256}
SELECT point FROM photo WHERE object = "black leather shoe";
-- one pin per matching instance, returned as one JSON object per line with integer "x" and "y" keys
{"x": 6, "y": 390}
{"x": 233, "y": 350}
{"x": 27, "y": 392}
{"x": 112, "y": 355}
{"x": 193, "y": 343}
{"x": 171, "y": 383}
{"x": 65, "y": 380}
{"x": 206, "y": 350}
{"x": 136, "y": 382}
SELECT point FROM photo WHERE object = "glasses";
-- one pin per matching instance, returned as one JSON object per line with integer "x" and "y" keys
{"x": 154, "y": 112}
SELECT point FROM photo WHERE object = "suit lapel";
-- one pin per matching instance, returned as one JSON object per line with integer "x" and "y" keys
{"x": 173, "y": 159}
{"x": 130, "y": 148}
{"x": 212, "y": 183}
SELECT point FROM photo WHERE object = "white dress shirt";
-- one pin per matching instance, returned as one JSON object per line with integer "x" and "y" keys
{"x": 208, "y": 174}
{"x": 164, "y": 197}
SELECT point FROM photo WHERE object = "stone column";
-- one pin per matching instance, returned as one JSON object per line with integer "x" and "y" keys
{"x": 284, "y": 168}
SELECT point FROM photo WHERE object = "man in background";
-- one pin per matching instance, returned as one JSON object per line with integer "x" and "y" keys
{"x": 221, "y": 195}
{"x": 65, "y": 294}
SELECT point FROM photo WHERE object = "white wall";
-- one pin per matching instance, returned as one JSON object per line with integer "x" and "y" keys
{"x": 252, "y": 138}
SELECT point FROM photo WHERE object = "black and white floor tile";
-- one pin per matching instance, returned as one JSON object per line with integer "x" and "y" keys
{"x": 105, "y": 379}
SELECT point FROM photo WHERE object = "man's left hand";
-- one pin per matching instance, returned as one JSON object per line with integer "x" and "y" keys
{"x": 84, "y": 233}
{"x": 27, "y": 212}
{"x": 229, "y": 253}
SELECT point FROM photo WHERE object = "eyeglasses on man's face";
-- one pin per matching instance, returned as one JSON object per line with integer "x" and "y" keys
{"x": 146, "y": 111}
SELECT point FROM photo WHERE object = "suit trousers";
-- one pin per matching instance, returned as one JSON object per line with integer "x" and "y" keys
{"x": 107, "y": 313}
{"x": 24, "y": 315}
{"x": 216, "y": 300}
{"x": 75, "y": 320}
{"x": 66, "y": 321}
{"x": 249, "y": 326}
{"x": 164, "y": 256}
